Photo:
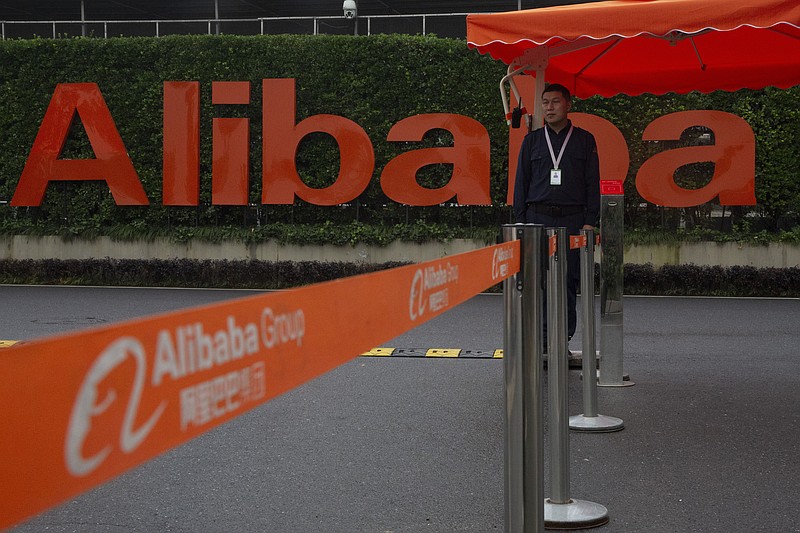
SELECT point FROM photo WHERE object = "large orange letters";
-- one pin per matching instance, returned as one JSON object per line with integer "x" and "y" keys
{"x": 111, "y": 165}
{"x": 733, "y": 153}
{"x": 469, "y": 156}
{"x": 282, "y": 137}
{"x": 231, "y": 146}
{"x": 181, "y": 143}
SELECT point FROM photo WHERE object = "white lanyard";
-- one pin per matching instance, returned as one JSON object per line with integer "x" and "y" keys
{"x": 563, "y": 146}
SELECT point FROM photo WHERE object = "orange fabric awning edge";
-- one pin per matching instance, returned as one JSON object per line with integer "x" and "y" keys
{"x": 656, "y": 46}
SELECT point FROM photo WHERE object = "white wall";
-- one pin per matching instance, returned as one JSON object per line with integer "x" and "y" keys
{"x": 723, "y": 254}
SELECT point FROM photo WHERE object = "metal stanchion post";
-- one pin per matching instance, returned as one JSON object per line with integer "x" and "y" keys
{"x": 611, "y": 278}
{"x": 590, "y": 420}
{"x": 512, "y": 371}
{"x": 533, "y": 376}
{"x": 561, "y": 511}
{"x": 557, "y": 365}
{"x": 523, "y": 368}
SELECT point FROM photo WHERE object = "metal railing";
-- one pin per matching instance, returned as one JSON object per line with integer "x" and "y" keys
{"x": 441, "y": 24}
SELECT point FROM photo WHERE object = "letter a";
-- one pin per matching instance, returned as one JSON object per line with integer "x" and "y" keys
{"x": 469, "y": 156}
{"x": 111, "y": 165}
{"x": 733, "y": 153}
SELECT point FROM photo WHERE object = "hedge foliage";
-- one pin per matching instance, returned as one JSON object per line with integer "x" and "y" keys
{"x": 375, "y": 81}
{"x": 695, "y": 280}
{"x": 205, "y": 273}
{"x": 670, "y": 280}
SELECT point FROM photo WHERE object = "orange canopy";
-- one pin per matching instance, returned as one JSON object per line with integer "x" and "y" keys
{"x": 655, "y": 46}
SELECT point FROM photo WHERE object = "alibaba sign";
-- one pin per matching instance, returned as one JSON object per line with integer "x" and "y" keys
{"x": 733, "y": 153}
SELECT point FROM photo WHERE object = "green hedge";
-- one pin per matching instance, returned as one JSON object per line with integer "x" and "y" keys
{"x": 179, "y": 272}
{"x": 695, "y": 280}
{"x": 680, "y": 280}
{"x": 375, "y": 81}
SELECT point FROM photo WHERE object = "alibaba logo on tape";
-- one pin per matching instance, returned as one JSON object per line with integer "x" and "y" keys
{"x": 500, "y": 259}
{"x": 416, "y": 300}
{"x": 87, "y": 407}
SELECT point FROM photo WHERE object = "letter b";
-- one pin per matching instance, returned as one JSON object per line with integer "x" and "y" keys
{"x": 281, "y": 182}
{"x": 237, "y": 339}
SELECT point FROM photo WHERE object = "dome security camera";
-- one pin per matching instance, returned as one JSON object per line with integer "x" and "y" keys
{"x": 350, "y": 9}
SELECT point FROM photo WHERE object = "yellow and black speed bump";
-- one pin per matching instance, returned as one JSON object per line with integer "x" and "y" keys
{"x": 431, "y": 353}
{"x": 443, "y": 352}
{"x": 478, "y": 354}
{"x": 409, "y": 352}
{"x": 378, "y": 352}
{"x": 575, "y": 358}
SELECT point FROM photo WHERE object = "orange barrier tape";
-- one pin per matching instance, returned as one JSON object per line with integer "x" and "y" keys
{"x": 80, "y": 409}
{"x": 577, "y": 241}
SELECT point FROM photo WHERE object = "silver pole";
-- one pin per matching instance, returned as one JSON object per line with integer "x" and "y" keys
{"x": 557, "y": 366}
{"x": 590, "y": 420}
{"x": 587, "y": 337}
{"x": 561, "y": 511}
{"x": 611, "y": 316}
{"x": 533, "y": 376}
{"x": 523, "y": 366}
{"x": 512, "y": 371}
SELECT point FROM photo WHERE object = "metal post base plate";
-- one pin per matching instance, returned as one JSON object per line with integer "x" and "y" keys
{"x": 597, "y": 424}
{"x": 626, "y": 381}
{"x": 577, "y": 514}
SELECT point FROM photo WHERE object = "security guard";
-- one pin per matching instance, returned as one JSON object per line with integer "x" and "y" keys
{"x": 558, "y": 182}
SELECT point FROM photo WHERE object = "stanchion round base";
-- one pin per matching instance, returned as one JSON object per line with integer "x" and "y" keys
{"x": 623, "y": 384}
{"x": 577, "y": 514}
{"x": 626, "y": 381}
{"x": 596, "y": 424}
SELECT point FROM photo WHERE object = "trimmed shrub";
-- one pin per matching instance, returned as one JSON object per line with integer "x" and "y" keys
{"x": 672, "y": 280}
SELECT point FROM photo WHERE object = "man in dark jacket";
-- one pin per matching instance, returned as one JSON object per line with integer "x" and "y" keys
{"x": 558, "y": 182}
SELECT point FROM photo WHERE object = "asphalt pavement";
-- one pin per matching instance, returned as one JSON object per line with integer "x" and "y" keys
{"x": 389, "y": 444}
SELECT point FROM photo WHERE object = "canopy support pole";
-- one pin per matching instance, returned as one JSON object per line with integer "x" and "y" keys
{"x": 510, "y": 78}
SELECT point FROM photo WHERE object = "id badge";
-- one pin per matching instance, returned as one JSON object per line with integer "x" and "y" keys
{"x": 555, "y": 176}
